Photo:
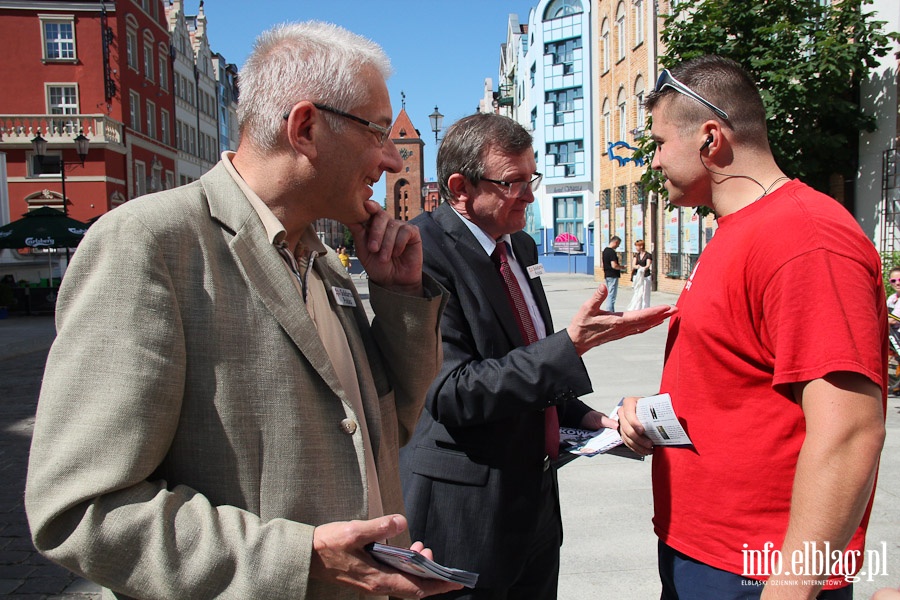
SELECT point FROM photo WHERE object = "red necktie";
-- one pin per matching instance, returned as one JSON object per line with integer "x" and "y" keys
{"x": 526, "y": 328}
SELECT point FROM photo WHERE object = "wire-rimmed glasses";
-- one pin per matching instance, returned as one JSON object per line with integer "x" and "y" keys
{"x": 517, "y": 189}
{"x": 383, "y": 132}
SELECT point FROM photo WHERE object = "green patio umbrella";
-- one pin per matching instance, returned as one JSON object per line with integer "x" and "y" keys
{"x": 44, "y": 227}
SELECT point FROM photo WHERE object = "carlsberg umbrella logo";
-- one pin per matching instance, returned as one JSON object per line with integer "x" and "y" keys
{"x": 36, "y": 242}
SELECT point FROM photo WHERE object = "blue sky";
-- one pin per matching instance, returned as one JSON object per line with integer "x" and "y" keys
{"x": 441, "y": 49}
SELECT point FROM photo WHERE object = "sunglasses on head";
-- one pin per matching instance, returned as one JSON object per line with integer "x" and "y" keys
{"x": 895, "y": 280}
{"x": 667, "y": 80}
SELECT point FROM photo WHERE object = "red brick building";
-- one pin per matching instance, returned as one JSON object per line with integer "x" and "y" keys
{"x": 403, "y": 190}
{"x": 101, "y": 69}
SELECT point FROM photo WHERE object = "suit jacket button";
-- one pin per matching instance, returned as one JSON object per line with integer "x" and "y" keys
{"x": 348, "y": 426}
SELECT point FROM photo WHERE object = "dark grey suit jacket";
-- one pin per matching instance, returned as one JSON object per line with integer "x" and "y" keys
{"x": 472, "y": 473}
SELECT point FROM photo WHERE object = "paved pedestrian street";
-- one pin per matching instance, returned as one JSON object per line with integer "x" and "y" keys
{"x": 609, "y": 549}
{"x": 25, "y": 574}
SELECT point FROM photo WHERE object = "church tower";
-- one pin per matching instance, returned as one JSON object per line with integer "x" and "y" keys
{"x": 403, "y": 190}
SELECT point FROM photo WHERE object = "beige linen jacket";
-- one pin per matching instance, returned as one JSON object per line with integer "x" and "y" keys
{"x": 191, "y": 431}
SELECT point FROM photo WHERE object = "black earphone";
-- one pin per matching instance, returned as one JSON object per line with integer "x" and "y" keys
{"x": 706, "y": 144}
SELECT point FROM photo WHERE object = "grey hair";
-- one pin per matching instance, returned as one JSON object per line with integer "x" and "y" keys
{"x": 315, "y": 61}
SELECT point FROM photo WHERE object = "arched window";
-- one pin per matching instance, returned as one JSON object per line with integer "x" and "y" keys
{"x": 638, "y": 22}
{"x": 620, "y": 31}
{"x": 622, "y": 114}
{"x": 607, "y": 124}
{"x": 563, "y": 8}
{"x": 604, "y": 42}
{"x": 640, "y": 117}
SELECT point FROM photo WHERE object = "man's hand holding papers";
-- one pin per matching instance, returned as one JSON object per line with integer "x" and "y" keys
{"x": 648, "y": 422}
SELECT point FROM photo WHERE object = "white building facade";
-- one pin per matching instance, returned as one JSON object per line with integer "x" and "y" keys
{"x": 545, "y": 84}
{"x": 878, "y": 179}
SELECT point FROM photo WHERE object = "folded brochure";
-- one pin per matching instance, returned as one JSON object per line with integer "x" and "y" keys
{"x": 655, "y": 414}
{"x": 414, "y": 563}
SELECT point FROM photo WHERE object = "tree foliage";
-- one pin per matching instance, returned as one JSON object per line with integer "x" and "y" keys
{"x": 808, "y": 58}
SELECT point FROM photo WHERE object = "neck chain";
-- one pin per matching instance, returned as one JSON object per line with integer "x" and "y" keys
{"x": 774, "y": 183}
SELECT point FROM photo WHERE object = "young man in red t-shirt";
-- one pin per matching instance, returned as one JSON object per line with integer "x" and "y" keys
{"x": 784, "y": 401}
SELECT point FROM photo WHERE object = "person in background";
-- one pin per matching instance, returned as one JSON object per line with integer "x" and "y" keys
{"x": 785, "y": 406}
{"x": 641, "y": 271}
{"x": 345, "y": 258}
{"x": 612, "y": 271}
{"x": 894, "y": 280}
{"x": 478, "y": 476}
{"x": 218, "y": 419}
{"x": 894, "y": 321}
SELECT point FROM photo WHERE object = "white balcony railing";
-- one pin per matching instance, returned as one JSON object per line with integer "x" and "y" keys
{"x": 59, "y": 129}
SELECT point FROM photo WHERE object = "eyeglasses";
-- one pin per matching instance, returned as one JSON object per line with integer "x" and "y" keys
{"x": 895, "y": 280}
{"x": 517, "y": 189}
{"x": 667, "y": 80}
{"x": 384, "y": 132}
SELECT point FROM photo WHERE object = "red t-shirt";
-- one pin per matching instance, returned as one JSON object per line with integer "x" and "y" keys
{"x": 787, "y": 291}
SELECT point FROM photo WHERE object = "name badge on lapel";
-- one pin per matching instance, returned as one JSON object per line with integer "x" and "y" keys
{"x": 343, "y": 296}
{"x": 535, "y": 271}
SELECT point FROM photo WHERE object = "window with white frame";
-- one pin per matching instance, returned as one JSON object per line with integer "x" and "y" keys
{"x": 62, "y": 99}
{"x": 131, "y": 49}
{"x": 163, "y": 71}
{"x": 148, "y": 60}
{"x": 607, "y": 125}
{"x": 622, "y": 114}
{"x": 134, "y": 107}
{"x": 151, "y": 119}
{"x": 140, "y": 179}
{"x": 620, "y": 31}
{"x": 604, "y": 42}
{"x": 640, "y": 121}
{"x": 192, "y": 140}
{"x": 58, "y": 35}
{"x": 156, "y": 172}
{"x": 638, "y": 22}
{"x": 164, "y": 125}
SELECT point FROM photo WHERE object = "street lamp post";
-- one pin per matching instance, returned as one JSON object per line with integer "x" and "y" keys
{"x": 82, "y": 144}
{"x": 437, "y": 119}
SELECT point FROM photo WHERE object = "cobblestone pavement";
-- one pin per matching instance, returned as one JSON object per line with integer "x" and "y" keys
{"x": 25, "y": 574}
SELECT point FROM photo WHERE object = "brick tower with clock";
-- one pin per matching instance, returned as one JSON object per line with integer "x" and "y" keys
{"x": 403, "y": 190}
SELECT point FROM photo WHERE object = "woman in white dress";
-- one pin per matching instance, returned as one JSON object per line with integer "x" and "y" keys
{"x": 640, "y": 277}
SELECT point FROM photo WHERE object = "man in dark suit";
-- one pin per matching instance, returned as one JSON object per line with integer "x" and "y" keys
{"x": 478, "y": 481}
